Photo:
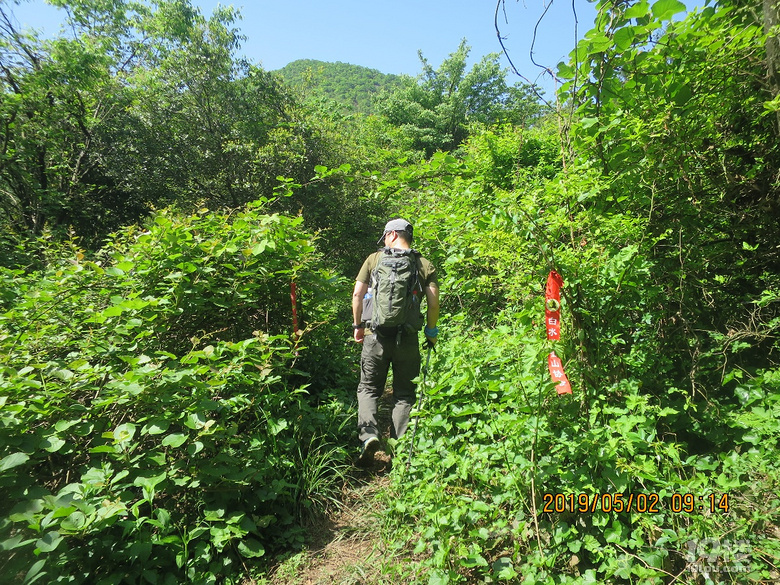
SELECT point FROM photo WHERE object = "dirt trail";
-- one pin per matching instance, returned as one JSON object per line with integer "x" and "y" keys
{"x": 346, "y": 548}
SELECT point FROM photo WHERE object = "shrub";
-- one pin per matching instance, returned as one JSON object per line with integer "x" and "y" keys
{"x": 153, "y": 424}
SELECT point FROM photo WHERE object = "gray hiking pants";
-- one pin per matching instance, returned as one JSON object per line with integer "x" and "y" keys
{"x": 378, "y": 354}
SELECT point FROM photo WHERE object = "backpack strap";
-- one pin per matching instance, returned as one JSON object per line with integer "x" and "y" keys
{"x": 417, "y": 267}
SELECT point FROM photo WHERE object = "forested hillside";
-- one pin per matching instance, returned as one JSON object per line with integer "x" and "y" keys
{"x": 179, "y": 236}
{"x": 351, "y": 85}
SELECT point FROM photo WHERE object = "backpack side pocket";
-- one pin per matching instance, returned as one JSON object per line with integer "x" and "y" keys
{"x": 368, "y": 306}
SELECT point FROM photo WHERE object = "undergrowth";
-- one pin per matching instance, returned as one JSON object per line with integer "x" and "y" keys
{"x": 510, "y": 482}
{"x": 155, "y": 420}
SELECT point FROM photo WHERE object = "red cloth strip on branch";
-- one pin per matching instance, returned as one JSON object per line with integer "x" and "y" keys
{"x": 557, "y": 374}
{"x": 552, "y": 322}
{"x": 294, "y": 301}
{"x": 552, "y": 305}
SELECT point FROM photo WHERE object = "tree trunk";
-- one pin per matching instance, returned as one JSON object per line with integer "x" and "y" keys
{"x": 771, "y": 10}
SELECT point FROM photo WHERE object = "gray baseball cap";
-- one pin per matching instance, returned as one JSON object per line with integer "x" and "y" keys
{"x": 396, "y": 225}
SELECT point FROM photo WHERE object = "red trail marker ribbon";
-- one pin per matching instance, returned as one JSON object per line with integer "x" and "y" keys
{"x": 557, "y": 374}
{"x": 294, "y": 302}
{"x": 552, "y": 322}
{"x": 552, "y": 305}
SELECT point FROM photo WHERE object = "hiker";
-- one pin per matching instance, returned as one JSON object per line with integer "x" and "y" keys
{"x": 376, "y": 325}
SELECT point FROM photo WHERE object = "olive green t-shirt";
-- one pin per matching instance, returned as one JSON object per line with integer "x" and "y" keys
{"x": 425, "y": 270}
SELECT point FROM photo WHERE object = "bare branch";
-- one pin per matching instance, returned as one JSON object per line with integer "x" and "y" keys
{"x": 534, "y": 87}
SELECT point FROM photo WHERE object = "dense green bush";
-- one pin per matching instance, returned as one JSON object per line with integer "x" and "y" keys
{"x": 510, "y": 482}
{"x": 671, "y": 399}
{"x": 153, "y": 423}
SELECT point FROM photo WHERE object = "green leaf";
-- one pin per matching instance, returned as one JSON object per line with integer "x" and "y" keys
{"x": 681, "y": 94}
{"x": 174, "y": 440}
{"x": 13, "y": 542}
{"x": 565, "y": 71}
{"x": 665, "y": 9}
{"x": 103, "y": 449}
{"x": 752, "y": 437}
{"x": 773, "y": 105}
{"x": 74, "y": 522}
{"x": 52, "y": 444}
{"x": 213, "y": 515}
{"x": 624, "y": 38}
{"x": 148, "y": 484}
{"x": 195, "y": 421}
{"x": 438, "y": 577}
{"x": 277, "y": 426}
{"x": 599, "y": 43}
{"x": 155, "y": 428}
{"x": 64, "y": 425}
{"x": 637, "y": 10}
{"x": 748, "y": 394}
{"x": 49, "y": 542}
{"x": 62, "y": 374}
{"x": 13, "y": 460}
{"x": 35, "y": 571}
{"x": 113, "y": 311}
{"x": 474, "y": 560}
{"x": 251, "y": 548}
{"x": 124, "y": 433}
{"x": 504, "y": 568}
{"x": 468, "y": 410}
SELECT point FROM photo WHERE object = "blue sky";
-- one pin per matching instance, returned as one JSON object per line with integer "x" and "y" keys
{"x": 386, "y": 35}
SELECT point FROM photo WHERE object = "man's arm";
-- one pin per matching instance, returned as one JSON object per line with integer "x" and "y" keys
{"x": 357, "y": 308}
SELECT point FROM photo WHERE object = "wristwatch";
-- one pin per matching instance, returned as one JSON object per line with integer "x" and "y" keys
{"x": 359, "y": 326}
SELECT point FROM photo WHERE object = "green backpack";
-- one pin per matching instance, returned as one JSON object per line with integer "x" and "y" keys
{"x": 395, "y": 294}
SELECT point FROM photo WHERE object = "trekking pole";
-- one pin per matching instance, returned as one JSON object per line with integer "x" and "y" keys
{"x": 422, "y": 395}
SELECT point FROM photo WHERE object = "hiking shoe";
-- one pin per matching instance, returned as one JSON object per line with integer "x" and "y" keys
{"x": 370, "y": 447}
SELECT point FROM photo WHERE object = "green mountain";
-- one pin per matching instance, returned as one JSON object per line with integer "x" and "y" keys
{"x": 353, "y": 85}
